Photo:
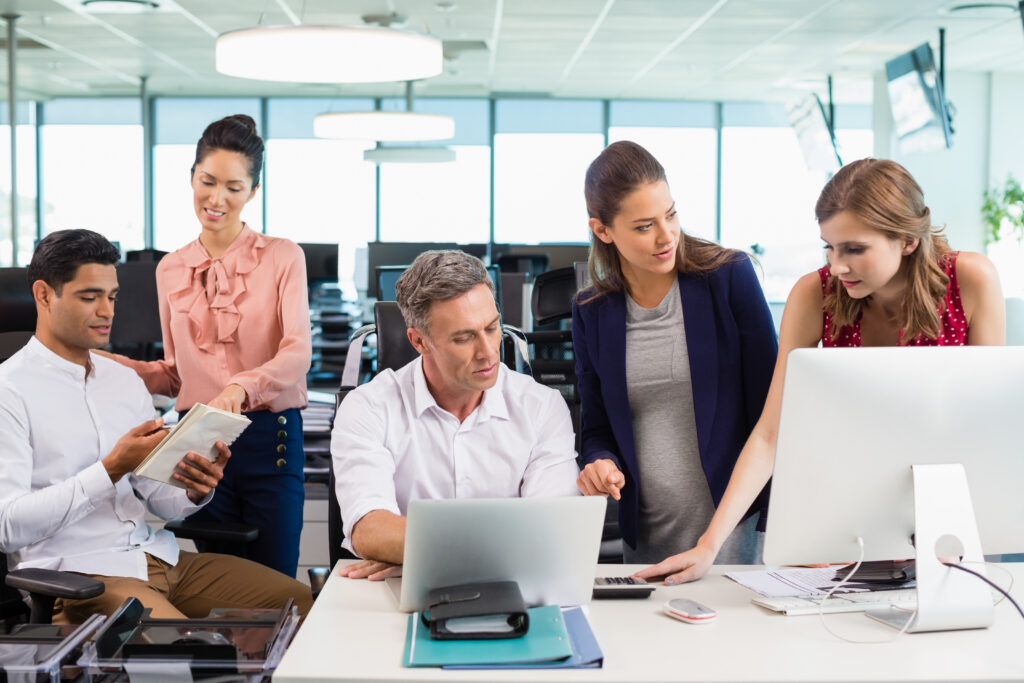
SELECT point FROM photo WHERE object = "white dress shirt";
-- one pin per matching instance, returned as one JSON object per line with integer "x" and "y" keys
{"x": 58, "y": 507}
{"x": 392, "y": 443}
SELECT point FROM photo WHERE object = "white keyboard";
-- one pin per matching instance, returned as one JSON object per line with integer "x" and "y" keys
{"x": 904, "y": 598}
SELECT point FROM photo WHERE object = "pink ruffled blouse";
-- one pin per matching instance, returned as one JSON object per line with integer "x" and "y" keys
{"x": 242, "y": 318}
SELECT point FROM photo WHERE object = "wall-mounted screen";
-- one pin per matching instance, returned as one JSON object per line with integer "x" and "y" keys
{"x": 919, "y": 110}
{"x": 814, "y": 131}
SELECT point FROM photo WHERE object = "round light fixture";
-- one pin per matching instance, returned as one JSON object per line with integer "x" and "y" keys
{"x": 981, "y": 10}
{"x": 119, "y": 6}
{"x": 328, "y": 54}
{"x": 410, "y": 155}
{"x": 385, "y": 126}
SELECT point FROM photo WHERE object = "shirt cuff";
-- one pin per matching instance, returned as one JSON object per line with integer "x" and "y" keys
{"x": 96, "y": 482}
{"x": 363, "y": 508}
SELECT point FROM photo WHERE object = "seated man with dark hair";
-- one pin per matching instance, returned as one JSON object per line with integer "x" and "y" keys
{"x": 74, "y": 426}
{"x": 454, "y": 423}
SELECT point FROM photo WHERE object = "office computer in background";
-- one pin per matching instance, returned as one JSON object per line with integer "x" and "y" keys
{"x": 897, "y": 453}
{"x": 321, "y": 262}
{"x": 387, "y": 279}
{"x": 395, "y": 254}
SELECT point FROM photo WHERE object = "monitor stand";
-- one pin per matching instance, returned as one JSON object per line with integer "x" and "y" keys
{"x": 947, "y": 599}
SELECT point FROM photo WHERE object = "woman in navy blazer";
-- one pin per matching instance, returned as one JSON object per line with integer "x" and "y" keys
{"x": 638, "y": 251}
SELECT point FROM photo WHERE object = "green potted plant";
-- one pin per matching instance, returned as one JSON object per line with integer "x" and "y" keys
{"x": 1003, "y": 211}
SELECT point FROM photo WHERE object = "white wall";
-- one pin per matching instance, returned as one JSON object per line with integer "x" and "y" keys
{"x": 953, "y": 179}
{"x": 1006, "y": 145}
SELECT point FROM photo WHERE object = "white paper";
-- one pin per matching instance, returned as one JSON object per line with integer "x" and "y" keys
{"x": 198, "y": 432}
{"x": 788, "y": 582}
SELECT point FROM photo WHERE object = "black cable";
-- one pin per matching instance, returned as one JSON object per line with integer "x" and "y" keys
{"x": 989, "y": 582}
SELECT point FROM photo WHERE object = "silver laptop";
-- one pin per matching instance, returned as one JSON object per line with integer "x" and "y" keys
{"x": 549, "y": 546}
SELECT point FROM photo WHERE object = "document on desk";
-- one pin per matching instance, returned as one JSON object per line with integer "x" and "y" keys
{"x": 787, "y": 582}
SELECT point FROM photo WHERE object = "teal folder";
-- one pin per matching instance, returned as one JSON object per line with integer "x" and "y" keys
{"x": 586, "y": 653}
{"x": 546, "y": 641}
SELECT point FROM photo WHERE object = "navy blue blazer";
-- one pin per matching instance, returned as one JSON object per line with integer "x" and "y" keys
{"x": 732, "y": 348}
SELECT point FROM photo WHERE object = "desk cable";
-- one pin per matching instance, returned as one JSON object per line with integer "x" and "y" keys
{"x": 860, "y": 544}
{"x": 993, "y": 584}
{"x": 845, "y": 580}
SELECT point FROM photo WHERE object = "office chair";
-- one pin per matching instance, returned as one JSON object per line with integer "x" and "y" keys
{"x": 553, "y": 294}
{"x": 393, "y": 351}
{"x": 17, "y": 311}
{"x": 44, "y": 586}
{"x": 136, "y": 330}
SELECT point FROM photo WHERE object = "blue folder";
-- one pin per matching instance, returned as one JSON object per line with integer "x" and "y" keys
{"x": 546, "y": 642}
{"x": 586, "y": 653}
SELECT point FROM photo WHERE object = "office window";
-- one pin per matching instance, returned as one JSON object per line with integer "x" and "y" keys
{"x": 682, "y": 136}
{"x": 92, "y": 159}
{"x": 318, "y": 190}
{"x": 179, "y": 123}
{"x": 541, "y": 152}
{"x": 26, "y": 195}
{"x": 768, "y": 195}
{"x": 445, "y": 202}
{"x": 854, "y": 134}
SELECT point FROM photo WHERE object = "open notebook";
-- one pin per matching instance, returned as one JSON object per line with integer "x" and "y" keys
{"x": 200, "y": 428}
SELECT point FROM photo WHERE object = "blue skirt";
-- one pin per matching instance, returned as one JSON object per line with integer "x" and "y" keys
{"x": 263, "y": 486}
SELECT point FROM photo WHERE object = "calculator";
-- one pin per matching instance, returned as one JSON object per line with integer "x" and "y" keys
{"x": 621, "y": 587}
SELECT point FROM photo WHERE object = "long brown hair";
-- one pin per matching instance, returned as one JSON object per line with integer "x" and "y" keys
{"x": 617, "y": 171}
{"x": 884, "y": 196}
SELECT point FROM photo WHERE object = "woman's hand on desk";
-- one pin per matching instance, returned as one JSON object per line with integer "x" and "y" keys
{"x": 369, "y": 569}
{"x": 688, "y": 566}
{"x": 601, "y": 478}
{"x": 230, "y": 399}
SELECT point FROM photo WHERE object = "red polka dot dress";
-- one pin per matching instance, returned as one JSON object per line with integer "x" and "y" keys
{"x": 951, "y": 315}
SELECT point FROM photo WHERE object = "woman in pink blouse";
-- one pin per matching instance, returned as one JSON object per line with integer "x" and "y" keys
{"x": 235, "y": 317}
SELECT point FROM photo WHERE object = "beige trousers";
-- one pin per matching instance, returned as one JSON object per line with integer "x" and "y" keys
{"x": 191, "y": 588}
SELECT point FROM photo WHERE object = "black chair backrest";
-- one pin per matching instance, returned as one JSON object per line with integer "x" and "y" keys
{"x": 552, "y": 295}
{"x": 17, "y": 311}
{"x": 393, "y": 347}
{"x": 17, "y": 307}
{"x": 137, "y": 314}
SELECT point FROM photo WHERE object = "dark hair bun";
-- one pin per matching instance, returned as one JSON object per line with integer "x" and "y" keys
{"x": 241, "y": 119}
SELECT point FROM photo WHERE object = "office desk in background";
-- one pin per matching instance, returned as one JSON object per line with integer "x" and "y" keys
{"x": 355, "y": 633}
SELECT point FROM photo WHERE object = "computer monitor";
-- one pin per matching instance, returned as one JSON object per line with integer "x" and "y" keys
{"x": 857, "y": 428}
{"x": 395, "y": 254}
{"x": 321, "y": 262}
{"x": 387, "y": 279}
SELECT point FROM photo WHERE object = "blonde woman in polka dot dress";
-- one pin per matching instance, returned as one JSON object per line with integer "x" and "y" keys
{"x": 891, "y": 280}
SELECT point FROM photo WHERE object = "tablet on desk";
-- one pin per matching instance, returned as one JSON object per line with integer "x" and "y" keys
{"x": 549, "y": 546}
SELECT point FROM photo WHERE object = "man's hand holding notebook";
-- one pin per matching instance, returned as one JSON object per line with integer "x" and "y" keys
{"x": 197, "y": 432}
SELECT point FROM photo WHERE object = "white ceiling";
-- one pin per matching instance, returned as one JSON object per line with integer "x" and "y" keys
{"x": 663, "y": 49}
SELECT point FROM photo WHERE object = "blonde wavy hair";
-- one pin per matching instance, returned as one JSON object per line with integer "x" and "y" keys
{"x": 884, "y": 196}
{"x": 619, "y": 170}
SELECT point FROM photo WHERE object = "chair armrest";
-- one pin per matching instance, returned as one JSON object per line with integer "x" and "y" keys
{"x": 54, "y": 583}
{"x": 213, "y": 531}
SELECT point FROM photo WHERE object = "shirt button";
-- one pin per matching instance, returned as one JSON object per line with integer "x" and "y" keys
{"x": 282, "y": 420}
{"x": 281, "y": 462}
{"x": 281, "y": 448}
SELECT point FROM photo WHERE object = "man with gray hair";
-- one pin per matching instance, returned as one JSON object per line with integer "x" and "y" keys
{"x": 454, "y": 423}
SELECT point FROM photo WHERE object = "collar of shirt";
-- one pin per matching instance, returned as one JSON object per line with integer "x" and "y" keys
{"x": 46, "y": 355}
{"x": 494, "y": 404}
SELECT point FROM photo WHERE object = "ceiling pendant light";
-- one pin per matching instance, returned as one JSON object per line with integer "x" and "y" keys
{"x": 328, "y": 54}
{"x": 409, "y": 155}
{"x": 385, "y": 126}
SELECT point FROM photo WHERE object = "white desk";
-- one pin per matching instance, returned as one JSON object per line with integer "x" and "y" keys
{"x": 355, "y": 633}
